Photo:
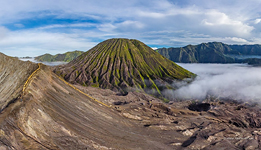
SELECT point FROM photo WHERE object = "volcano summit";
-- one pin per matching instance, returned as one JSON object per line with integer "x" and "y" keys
{"x": 119, "y": 64}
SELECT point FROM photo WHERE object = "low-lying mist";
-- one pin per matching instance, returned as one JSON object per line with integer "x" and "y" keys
{"x": 55, "y": 63}
{"x": 233, "y": 81}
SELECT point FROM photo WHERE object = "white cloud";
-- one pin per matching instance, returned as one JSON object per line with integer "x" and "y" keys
{"x": 34, "y": 43}
{"x": 237, "y": 40}
{"x": 257, "y": 21}
{"x": 169, "y": 12}
{"x": 218, "y": 20}
{"x": 3, "y": 32}
{"x": 152, "y": 14}
{"x": 155, "y": 22}
{"x": 108, "y": 27}
{"x": 236, "y": 81}
{"x": 129, "y": 26}
{"x": 211, "y": 24}
{"x": 66, "y": 26}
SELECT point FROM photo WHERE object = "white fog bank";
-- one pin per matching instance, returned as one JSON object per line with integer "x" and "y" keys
{"x": 236, "y": 81}
{"x": 55, "y": 63}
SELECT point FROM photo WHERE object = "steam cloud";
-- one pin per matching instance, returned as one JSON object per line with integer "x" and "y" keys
{"x": 234, "y": 81}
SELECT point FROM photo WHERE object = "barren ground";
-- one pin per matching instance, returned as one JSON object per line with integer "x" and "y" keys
{"x": 53, "y": 115}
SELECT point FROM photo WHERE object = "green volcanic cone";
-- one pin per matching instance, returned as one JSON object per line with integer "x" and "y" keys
{"x": 119, "y": 64}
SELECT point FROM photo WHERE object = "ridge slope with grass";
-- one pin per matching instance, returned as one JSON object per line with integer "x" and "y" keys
{"x": 120, "y": 64}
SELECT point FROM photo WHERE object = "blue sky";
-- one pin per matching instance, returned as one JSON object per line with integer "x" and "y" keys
{"x": 35, "y": 27}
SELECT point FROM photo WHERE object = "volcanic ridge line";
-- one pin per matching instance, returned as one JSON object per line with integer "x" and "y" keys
{"x": 109, "y": 106}
{"x": 39, "y": 64}
{"x": 29, "y": 78}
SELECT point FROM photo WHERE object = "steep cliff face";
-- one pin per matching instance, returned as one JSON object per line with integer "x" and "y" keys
{"x": 121, "y": 63}
{"x": 203, "y": 53}
{"x": 13, "y": 74}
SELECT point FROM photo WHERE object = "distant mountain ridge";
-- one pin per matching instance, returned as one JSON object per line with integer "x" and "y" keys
{"x": 212, "y": 52}
{"x": 122, "y": 63}
{"x": 66, "y": 57}
{"x": 247, "y": 49}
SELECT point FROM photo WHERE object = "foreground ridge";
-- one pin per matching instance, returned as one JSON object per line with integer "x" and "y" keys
{"x": 30, "y": 77}
{"x": 83, "y": 92}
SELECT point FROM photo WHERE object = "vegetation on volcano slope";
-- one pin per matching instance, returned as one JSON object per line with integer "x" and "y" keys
{"x": 66, "y": 57}
{"x": 119, "y": 64}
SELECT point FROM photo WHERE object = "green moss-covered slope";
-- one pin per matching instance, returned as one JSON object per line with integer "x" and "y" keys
{"x": 122, "y": 63}
{"x": 66, "y": 57}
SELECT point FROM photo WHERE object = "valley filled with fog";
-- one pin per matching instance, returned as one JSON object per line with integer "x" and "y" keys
{"x": 233, "y": 81}
{"x": 56, "y": 63}
{"x": 229, "y": 81}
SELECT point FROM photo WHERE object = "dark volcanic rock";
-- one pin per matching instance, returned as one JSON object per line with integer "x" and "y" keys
{"x": 189, "y": 141}
{"x": 199, "y": 106}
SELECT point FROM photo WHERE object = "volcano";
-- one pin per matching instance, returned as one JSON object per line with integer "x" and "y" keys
{"x": 40, "y": 110}
{"x": 119, "y": 64}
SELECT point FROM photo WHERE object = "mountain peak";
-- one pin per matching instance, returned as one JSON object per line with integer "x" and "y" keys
{"x": 122, "y": 63}
{"x": 66, "y": 57}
